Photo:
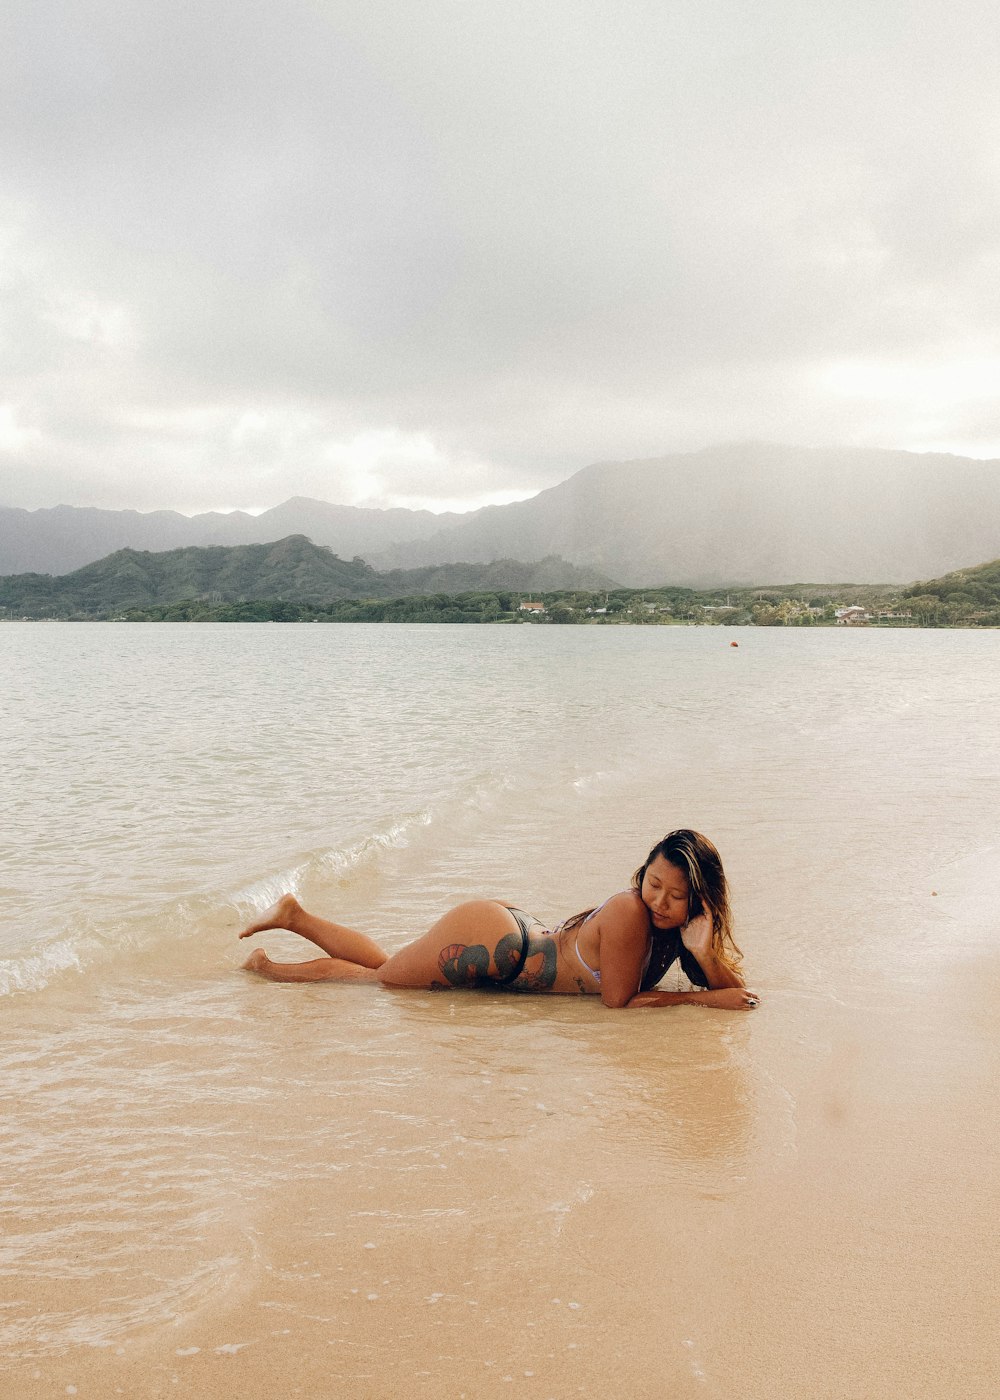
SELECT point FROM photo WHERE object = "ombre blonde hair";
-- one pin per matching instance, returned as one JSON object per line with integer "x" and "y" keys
{"x": 696, "y": 857}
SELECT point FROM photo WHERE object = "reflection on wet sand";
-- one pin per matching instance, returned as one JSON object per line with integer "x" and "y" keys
{"x": 673, "y": 1082}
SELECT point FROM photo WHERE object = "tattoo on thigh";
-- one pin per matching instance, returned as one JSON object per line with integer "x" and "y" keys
{"x": 507, "y": 954}
{"x": 464, "y": 966}
{"x": 541, "y": 976}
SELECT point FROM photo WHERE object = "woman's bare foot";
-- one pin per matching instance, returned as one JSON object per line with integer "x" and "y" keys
{"x": 280, "y": 915}
{"x": 258, "y": 961}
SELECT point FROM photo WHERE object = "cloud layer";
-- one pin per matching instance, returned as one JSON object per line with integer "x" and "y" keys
{"x": 449, "y": 252}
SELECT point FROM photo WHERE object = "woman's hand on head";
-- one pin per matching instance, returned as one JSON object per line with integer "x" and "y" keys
{"x": 696, "y": 935}
{"x": 698, "y": 938}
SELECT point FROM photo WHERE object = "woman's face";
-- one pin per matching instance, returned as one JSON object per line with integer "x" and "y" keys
{"x": 665, "y": 893}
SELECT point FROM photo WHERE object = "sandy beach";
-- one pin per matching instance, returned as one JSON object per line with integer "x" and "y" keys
{"x": 559, "y": 1201}
{"x": 213, "y": 1184}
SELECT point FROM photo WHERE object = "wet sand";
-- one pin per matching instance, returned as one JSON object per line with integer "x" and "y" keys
{"x": 213, "y": 1185}
{"x": 556, "y": 1201}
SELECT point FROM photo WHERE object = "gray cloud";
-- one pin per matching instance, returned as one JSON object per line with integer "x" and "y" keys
{"x": 456, "y": 250}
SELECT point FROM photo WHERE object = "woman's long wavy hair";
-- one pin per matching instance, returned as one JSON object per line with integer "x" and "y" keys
{"x": 697, "y": 857}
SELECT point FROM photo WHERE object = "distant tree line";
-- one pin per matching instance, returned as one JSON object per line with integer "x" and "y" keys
{"x": 772, "y": 607}
{"x": 969, "y": 599}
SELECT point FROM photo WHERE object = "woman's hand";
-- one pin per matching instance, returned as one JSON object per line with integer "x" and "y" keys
{"x": 696, "y": 935}
{"x": 722, "y": 998}
{"x": 728, "y": 999}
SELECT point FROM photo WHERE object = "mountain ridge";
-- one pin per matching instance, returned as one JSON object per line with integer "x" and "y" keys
{"x": 751, "y": 514}
{"x": 293, "y": 569}
{"x": 732, "y": 515}
{"x": 59, "y": 539}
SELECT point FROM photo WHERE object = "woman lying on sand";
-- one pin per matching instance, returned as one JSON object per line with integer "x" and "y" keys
{"x": 678, "y": 907}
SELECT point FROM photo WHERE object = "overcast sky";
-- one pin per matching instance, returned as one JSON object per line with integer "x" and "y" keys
{"x": 444, "y": 252}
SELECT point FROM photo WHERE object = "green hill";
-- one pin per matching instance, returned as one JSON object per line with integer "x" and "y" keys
{"x": 292, "y": 570}
{"x": 966, "y": 597}
{"x": 295, "y": 580}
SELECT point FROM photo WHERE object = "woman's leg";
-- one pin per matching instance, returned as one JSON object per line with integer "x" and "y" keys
{"x": 319, "y": 970}
{"x": 469, "y": 946}
{"x": 336, "y": 940}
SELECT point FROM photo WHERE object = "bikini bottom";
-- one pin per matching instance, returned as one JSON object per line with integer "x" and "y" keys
{"x": 509, "y": 954}
{"x": 468, "y": 965}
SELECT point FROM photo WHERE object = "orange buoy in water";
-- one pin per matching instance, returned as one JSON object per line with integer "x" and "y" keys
{"x": 734, "y": 644}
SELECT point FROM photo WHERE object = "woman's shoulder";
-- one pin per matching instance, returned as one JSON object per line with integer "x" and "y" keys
{"x": 624, "y": 909}
{"x": 626, "y": 906}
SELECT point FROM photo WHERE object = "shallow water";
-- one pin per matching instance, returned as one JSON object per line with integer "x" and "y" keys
{"x": 186, "y": 1147}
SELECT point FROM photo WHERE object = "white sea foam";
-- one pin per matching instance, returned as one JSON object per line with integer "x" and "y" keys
{"x": 368, "y": 848}
{"x": 339, "y": 861}
{"x": 33, "y": 971}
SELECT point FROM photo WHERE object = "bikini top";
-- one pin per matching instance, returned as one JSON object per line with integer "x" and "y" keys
{"x": 668, "y": 946}
{"x": 595, "y": 972}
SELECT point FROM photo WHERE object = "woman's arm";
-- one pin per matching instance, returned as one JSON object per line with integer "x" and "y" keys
{"x": 722, "y": 998}
{"x": 624, "y": 934}
{"x": 697, "y": 939}
{"x": 623, "y": 929}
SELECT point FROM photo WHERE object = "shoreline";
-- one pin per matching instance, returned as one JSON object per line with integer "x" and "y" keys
{"x": 519, "y": 622}
{"x": 657, "y": 1212}
{"x": 214, "y": 1182}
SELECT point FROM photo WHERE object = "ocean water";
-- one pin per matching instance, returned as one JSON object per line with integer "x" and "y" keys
{"x": 164, "y": 1111}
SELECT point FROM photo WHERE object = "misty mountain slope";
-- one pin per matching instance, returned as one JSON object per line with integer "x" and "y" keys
{"x": 63, "y": 538}
{"x": 737, "y": 515}
{"x": 347, "y": 530}
{"x": 746, "y": 514}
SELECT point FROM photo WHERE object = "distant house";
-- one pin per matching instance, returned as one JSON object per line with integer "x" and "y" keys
{"x": 531, "y": 607}
{"x": 849, "y": 616}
